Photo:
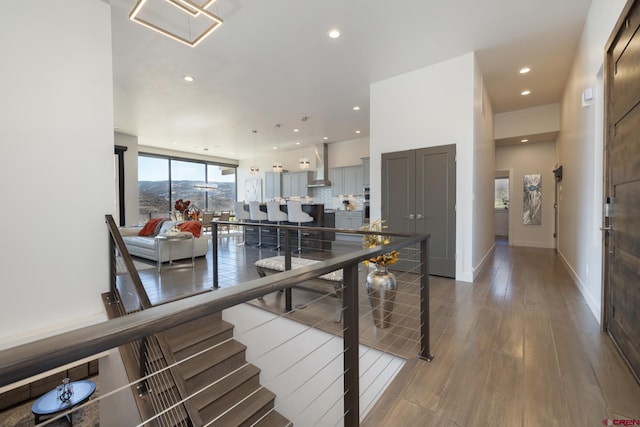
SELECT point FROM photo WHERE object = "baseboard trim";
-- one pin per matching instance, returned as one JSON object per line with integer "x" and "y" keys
{"x": 483, "y": 262}
{"x": 594, "y": 306}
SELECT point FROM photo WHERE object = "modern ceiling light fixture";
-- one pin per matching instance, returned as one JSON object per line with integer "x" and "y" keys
{"x": 254, "y": 169}
{"x": 524, "y": 70}
{"x": 334, "y": 34}
{"x": 304, "y": 163}
{"x": 525, "y": 92}
{"x": 208, "y": 22}
{"x": 277, "y": 166}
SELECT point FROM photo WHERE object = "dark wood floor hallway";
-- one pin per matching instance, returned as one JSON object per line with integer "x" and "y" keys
{"x": 518, "y": 347}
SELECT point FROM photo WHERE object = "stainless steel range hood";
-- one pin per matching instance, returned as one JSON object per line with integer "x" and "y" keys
{"x": 322, "y": 167}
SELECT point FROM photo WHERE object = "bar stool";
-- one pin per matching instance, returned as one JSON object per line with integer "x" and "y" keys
{"x": 296, "y": 215}
{"x": 255, "y": 214}
{"x": 241, "y": 216}
{"x": 274, "y": 214}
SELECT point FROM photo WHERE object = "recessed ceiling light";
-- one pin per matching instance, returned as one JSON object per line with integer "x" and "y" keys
{"x": 356, "y": 108}
{"x": 325, "y": 137}
{"x": 525, "y": 92}
{"x": 357, "y": 131}
{"x": 524, "y": 140}
{"x": 296, "y": 130}
{"x": 275, "y": 148}
{"x": 334, "y": 34}
{"x": 524, "y": 70}
{"x": 188, "y": 79}
{"x": 297, "y": 143}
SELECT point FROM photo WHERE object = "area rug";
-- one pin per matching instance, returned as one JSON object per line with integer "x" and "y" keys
{"x": 138, "y": 264}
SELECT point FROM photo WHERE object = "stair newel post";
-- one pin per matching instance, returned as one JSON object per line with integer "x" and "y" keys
{"x": 351, "y": 344}
{"x": 214, "y": 253}
{"x": 143, "y": 385}
{"x": 288, "y": 302}
{"x": 425, "y": 351}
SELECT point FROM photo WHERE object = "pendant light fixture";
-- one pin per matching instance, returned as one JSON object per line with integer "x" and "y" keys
{"x": 303, "y": 163}
{"x": 255, "y": 169}
{"x": 208, "y": 22}
{"x": 277, "y": 166}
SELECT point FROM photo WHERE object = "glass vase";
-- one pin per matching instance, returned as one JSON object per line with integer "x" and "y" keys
{"x": 381, "y": 288}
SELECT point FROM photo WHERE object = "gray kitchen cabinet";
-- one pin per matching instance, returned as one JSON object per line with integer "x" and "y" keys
{"x": 349, "y": 220}
{"x": 347, "y": 180}
{"x": 294, "y": 184}
{"x": 366, "y": 164}
{"x": 272, "y": 185}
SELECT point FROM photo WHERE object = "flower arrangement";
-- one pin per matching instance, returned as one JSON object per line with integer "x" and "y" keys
{"x": 181, "y": 205}
{"x": 372, "y": 240}
{"x": 193, "y": 213}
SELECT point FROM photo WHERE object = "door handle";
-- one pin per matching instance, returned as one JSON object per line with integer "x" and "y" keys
{"x": 409, "y": 217}
{"x": 607, "y": 228}
{"x": 419, "y": 216}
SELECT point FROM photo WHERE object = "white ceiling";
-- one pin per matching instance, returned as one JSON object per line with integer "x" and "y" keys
{"x": 272, "y": 62}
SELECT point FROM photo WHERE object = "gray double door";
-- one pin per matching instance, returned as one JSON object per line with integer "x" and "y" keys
{"x": 418, "y": 196}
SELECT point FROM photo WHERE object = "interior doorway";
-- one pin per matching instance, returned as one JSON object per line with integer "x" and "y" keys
{"x": 501, "y": 205}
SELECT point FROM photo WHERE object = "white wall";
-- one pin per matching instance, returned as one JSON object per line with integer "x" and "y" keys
{"x": 130, "y": 176}
{"x": 430, "y": 107}
{"x": 523, "y": 160}
{"x": 483, "y": 175}
{"x": 528, "y": 121}
{"x": 56, "y": 124}
{"x": 348, "y": 153}
{"x": 579, "y": 147}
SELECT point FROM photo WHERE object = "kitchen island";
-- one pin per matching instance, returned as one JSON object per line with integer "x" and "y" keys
{"x": 311, "y": 239}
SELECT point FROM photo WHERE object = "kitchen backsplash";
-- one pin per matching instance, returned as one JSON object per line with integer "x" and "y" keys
{"x": 323, "y": 195}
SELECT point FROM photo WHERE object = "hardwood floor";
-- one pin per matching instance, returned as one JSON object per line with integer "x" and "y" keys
{"x": 518, "y": 347}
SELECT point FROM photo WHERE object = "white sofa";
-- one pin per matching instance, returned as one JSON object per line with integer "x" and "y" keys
{"x": 145, "y": 246}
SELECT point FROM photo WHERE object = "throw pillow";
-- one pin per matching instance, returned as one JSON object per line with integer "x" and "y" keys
{"x": 152, "y": 227}
{"x": 193, "y": 227}
{"x": 166, "y": 226}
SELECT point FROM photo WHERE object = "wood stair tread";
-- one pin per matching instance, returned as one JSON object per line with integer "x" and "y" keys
{"x": 274, "y": 419}
{"x": 224, "y": 384}
{"x": 221, "y": 353}
{"x": 239, "y": 410}
{"x": 191, "y": 333}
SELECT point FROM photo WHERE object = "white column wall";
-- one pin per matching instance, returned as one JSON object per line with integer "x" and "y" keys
{"x": 56, "y": 128}
{"x": 429, "y": 107}
{"x": 483, "y": 175}
{"x": 579, "y": 146}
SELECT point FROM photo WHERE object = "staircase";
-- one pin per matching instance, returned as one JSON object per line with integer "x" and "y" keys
{"x": 236, "y": 397}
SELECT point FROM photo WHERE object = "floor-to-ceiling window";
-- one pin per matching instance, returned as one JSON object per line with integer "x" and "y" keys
{"x": 163, "y": 180}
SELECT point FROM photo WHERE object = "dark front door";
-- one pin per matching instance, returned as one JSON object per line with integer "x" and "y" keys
{"x": 623, "y": 178}
{"x": 418, "y": 195}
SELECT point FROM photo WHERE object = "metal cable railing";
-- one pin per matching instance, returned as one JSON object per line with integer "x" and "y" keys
{"x": 349, "y": 344}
